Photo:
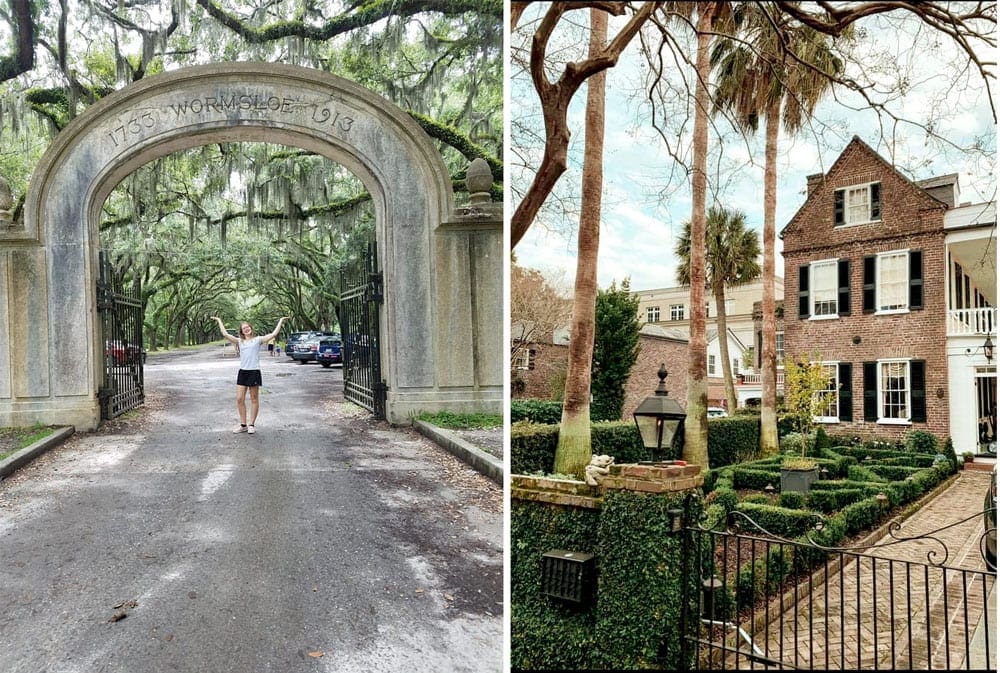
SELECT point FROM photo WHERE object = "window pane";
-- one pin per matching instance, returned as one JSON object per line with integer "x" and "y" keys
{"x": 895, "y": 390}
{"x": 858, "y": 208}
{"x": 826, "y": 400}
{"x": 824, "y": 288}
{"x": 893, "y": 281}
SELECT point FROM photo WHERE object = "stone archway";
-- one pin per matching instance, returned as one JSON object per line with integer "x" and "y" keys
{"x": 442, "y": 316}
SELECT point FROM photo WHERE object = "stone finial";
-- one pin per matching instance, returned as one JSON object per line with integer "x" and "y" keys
{"x": 479, "y": 180}
{"x": 5, "y": 202}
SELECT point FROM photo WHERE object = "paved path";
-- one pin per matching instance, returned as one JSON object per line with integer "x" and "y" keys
{"x": 325, "y": 542}
{"x": 894, "y": 609}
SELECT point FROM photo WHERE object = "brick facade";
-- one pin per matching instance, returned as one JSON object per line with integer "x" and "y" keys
{"x": 642, "y": 380}
{"x": 546, "y": 371}
{"x": 910, "y": 220}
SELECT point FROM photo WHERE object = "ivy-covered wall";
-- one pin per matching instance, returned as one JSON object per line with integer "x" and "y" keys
{"x": 635, "y": 620}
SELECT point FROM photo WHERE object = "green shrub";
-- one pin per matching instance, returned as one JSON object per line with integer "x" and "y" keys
{"x": 533, "y": 447}
{"x": 828, "y": 501}
{"x": 545, "y": 412}
{"x": 727, "y": 498}
{"x": 948, "y": 451}
{"x": 744, "y": 477}
{"x": 822, "y": 440}
{"x": 792, "y": 443}
{"x": 921, "y": 441}
{"x": 780, "y": 521}
{"x": 792, "y": 500}
{"x": 893, "y": 472}
{"x": 862, "y": 515}
{"x": 732, "y": 439}
{"x": 757, "y": 499}
{"x": 862, "y": 473}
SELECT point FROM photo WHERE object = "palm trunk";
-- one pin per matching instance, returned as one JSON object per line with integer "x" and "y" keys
{"x": 573, "y": 451}
{"x": 727, "y": 367}
{"x": 768, "y": 364}
{"x": 696, "y": 425}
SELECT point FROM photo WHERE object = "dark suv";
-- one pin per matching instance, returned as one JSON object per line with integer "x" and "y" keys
{"x": 330, "y": 351}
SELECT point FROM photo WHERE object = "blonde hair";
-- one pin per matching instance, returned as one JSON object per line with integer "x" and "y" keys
{"x": 252, "y": 333}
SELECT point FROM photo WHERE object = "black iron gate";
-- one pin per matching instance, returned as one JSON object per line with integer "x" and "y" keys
{"x": 360, "y": 301}
{"x": 119, "y": 302}
{"x": 771, "y": 603}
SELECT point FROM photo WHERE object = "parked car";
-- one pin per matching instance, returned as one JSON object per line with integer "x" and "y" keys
{"x": 124, "y": 353}
{"x": 294, "y": 338}
{"x": 330, "y": 351}
{"x": 717, "y": 412}
{"x": 304, "y": 350}
{"x": 990, "y": 522}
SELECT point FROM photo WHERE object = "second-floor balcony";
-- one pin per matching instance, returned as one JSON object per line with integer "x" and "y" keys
{"x": 966, "y": 321}
{"x": 753, "y": 379}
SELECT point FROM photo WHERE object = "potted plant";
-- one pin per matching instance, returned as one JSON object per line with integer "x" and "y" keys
{"x": 967, "y": 457}
{"x": 806, "y": 397}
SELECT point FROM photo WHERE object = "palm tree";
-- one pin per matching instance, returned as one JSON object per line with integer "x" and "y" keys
{"x": 779, "y": 71}
{"x": 573, "y": 450}
{"x": 731, "y": 252}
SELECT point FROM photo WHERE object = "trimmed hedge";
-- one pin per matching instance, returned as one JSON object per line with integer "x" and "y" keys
{"x": 533, "y": 447}
{"x": 635, "y": 621}
{"x": 546, "y": 412}
{"x": 746, "y": 477}
{"x": 781, "y": 521}
{"x": 732, "y": 439}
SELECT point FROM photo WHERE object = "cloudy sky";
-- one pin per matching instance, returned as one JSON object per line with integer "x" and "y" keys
{"x": 647, "y": 199}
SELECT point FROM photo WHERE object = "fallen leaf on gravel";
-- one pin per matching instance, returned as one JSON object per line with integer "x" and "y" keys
{"x": 118, "y": 616}
{"x": 125, "y": 604}
{"x": 420, "y": 591}
{"x": 316, "y": 655}
{"x": 449, "y": 597}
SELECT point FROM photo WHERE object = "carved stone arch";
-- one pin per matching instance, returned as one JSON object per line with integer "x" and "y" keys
{"x": 442, "y": 316}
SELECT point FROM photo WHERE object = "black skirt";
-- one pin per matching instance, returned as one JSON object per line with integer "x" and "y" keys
{"x": 249, "y": 378}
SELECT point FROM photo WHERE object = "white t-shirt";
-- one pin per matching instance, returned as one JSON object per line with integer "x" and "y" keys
{"x": 250, "y": 353}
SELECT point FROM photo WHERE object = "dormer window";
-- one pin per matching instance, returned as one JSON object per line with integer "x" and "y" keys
{"x": 858, "y": 204}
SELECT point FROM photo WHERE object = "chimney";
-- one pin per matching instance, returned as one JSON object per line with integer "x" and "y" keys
{"x": 812, "y": 182}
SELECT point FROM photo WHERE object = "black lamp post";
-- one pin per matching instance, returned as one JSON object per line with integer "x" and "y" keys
{"x": 659, "y": 418}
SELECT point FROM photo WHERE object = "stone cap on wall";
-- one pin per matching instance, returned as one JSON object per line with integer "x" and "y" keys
{"x": 638, "y": 477}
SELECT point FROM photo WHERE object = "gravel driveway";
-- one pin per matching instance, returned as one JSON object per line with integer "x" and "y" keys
{"x": 325, "y": 542}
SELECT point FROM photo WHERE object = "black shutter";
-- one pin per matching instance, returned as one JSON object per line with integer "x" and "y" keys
{"x": 760, "y": 347}
{"x": 804, "y": 291}
{"x": 845, "y": 403}
{"x": 916, "y": 279}
{"x": 871, "y": 390}
{"x": 838, "y": 207}
{"x": 844, "y": 287}
{"x": 868, "y": 285}
{"x": 531, "y": 358}
{"x": 918, "y": 391}
{"x": 876, "y": 202}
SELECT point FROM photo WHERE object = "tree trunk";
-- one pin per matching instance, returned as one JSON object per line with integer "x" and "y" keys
{"x": 727, "y": 367}
{"x": 768, "y": 355}
{"x": 573, "y": 450}
{"x": 696, "y": 425}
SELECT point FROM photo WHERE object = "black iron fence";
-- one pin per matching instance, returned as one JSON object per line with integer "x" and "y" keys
{"x": 771, "y": 603}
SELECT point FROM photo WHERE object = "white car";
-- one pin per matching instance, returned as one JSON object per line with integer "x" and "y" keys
{"x": 714, "y": 412}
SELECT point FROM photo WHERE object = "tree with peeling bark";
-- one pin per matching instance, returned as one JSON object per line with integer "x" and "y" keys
{"x": 573, "y": 451}
{"x": 757, "y": 78}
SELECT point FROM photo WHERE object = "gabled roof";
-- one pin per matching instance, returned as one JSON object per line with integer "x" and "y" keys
{"x": 714, "y": 334}
{"x": 653, "y": 330}
{"x": 858, "y": 142}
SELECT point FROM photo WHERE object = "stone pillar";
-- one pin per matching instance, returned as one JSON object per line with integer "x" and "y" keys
{"x": 468, "y": 277}
{"x": 628, "y": 523}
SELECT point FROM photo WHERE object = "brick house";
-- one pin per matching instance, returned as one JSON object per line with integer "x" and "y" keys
{"x": 878, "y": 293}
{"x": 657, "y": 345}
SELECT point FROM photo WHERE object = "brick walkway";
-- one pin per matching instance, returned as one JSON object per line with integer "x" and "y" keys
{"x": 912, "y": 607}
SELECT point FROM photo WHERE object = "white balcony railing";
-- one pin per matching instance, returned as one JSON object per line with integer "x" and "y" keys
{"x": 972, "y": 321}
{"x": 754, "y": 379}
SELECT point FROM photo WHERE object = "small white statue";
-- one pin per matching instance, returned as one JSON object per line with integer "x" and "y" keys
{"x": 599, "y": 468}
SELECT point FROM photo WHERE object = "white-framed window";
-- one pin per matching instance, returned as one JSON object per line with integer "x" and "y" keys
{"x": 829, "y": 397}
{"x": 711, "y": 364}
{"x": 736, "y": 366}
{"x": 677, "y": 311}
{"x": 652, "y": 314}
{"x": 857, "y": 204}
{"x": 525, "y": 359}
{"x": 892, "y": 271}
{"x": 823, "y": 288}
{"x": 779, "y": 348}
{"x": 894, "y": 391}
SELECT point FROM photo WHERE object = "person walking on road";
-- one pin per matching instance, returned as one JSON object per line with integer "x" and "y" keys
{"x": 249, "y": 375}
